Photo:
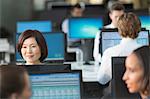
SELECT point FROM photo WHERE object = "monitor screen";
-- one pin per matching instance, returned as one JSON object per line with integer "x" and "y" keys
{"x": 145, "y": 21}
{"x": 84, "y": 28}
{"x": 62, "y": 85}
{"x": 42, "y": 26}
{"x": 56, "y": 46}
{"x": 113, "y": 38}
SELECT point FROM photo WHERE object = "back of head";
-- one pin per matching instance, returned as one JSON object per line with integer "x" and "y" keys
{"x": 143, "y": 55}
{"x": 12, "y": 80}
{"x": 115, "y": 6}
{"x": 129, "y": 25}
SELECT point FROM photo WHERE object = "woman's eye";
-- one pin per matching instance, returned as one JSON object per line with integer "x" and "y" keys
{"x": 24, "y": 47}
{"x": 131, "y": 70}
{"x": 33, "y": 46}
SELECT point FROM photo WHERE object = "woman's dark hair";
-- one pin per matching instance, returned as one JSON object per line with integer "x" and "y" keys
{"x": 78, "y": 5}
{"x": 12, "y": 80}
{"x": 129, "y": 25}
{"x": 143, "y": 55}
{"x": 39, "y": 39}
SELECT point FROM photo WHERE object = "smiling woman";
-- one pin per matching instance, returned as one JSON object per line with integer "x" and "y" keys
{"x": 30, "y": 46}
{"x": 137, "y": 74}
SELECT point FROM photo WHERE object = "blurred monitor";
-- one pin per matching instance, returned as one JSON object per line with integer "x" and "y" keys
{"x": 84, "y": 28}
{"x": 42, "y": 26}
{"x": 48, "y": 67}
{"x": 56, "y": 47}
{"x": 140, "y": 12}
{"x": 112, "y": 38}
{"x": 87, "y": 49}
{"x": 95, "y": 10}
{"x": 144, "y": 17}
{"x": 145, "y": 21}
{"x": 118, "y": 87}
{"x": 56, "y": 85}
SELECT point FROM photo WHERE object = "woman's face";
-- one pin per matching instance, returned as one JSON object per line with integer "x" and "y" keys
{"x": 133, "y": 74}
{"x": 31, "y": 51}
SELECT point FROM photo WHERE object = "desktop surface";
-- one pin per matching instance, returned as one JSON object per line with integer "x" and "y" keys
{"x": 89, "y": 72}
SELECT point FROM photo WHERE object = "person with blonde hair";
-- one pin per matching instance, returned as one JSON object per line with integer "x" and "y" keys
{"x": 129, "y": 27}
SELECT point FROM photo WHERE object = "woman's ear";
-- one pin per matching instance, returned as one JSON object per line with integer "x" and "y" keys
{"x": 110, "y": 15}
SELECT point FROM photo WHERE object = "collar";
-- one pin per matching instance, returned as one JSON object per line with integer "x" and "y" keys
{"x": 112, "y": 26}
{"x": 125, "y": 40}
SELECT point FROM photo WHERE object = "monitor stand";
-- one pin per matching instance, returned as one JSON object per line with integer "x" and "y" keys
{"x": 88, "y": 63}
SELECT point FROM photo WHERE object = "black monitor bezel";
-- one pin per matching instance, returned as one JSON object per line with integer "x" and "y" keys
{"x": 47, "y": 67}
{"x": 72, "y": 71}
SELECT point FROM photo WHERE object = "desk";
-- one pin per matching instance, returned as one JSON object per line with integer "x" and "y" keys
{"x": 91, "y": 88}
{"x": 89, "y": 72}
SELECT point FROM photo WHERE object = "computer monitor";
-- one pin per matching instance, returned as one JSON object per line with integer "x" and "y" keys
{"x": 87, "y": 49}
{"x": 144, "y": 17}
{"x": 47, "y": 67}
{"x": 118, "y": 87}
{"x": 42, "y": 26}
{"x": 145, "y": 21}
{"x": 56, "y": 85}
{"x": 84, "y": 28}
{"x": 111, "y": 38}
{"x": 56, "y": 46}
